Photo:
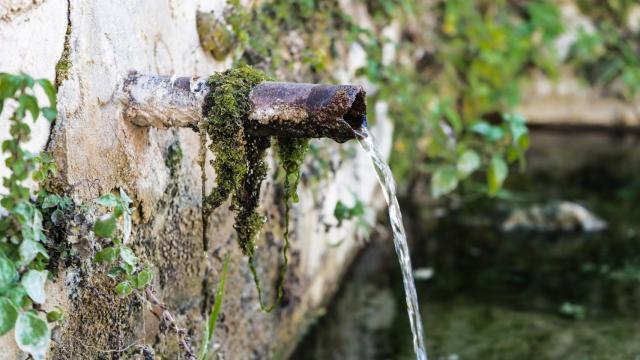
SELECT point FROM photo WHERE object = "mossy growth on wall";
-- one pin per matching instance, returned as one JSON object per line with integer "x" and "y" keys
{"x": 240, "y": 164}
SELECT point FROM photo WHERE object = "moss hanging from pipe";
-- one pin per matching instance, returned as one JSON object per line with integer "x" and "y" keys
{"x": 240, "y": 164}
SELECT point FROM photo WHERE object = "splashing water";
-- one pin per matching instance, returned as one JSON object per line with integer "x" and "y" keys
{"x": 388, "y": 184}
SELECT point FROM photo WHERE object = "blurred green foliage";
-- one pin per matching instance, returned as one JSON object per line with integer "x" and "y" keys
{"x": 454, "y": 77}
{"x": 608, "y": 53}
{"x": 453, "y": 109}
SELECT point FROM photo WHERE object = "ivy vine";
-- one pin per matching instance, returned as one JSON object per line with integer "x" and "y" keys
{"x": 23, "y": 253}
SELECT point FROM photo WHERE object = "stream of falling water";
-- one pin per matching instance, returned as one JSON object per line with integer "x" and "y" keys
{"x": 388, "y": 184}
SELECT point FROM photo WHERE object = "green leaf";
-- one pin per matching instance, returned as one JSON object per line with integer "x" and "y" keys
{"x": 30, "y": 103}
{"x": 49, "y": 90}
{"x": 127, "y": 255}
{"x": 118, "y": 210}
{"x": 108, "y": 254}
{"x": 7, "y": 272}
{"x": 490, "y": 132}
{"x": 8, "y": 315}
{"x": 496, "y": 174}
{"x": 8, "y": 87}
{"x": 108, "y": 200}
{"x": 517, "y": 126}
{"x": 124, "y": 288}
{"x": 35, "y": 225}
{"x": 523, "y": 142}
{"x": 17, "y": 295}
{"x": 341, "y": 211}
{"x": 26, "y": 79}
{"x": 24, "y": 211}
{"x": 49, "y": 113}
{"x": 105, "y": 226}
{"x": 143, "y": 279}
{"x": 51, "y": 200}
{"x": 33, "y": 282}
{"x": 357, "y": 209}
{"x": 125, "y": 198}
{"x": 215, "y": 311}
{"x": 115, "y": 272}
{"x": 55, "y": 315}
{"x": 468, "y": 162}
{"x": 128, "y": 268}
{"x": 29, "y": 249}
{"x": 444, "y": 181}
{"x": 65, "y": 203}
{"x": 32, "y": 335}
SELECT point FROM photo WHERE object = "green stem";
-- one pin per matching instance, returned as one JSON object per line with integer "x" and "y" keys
{"x": 215, "y": 311}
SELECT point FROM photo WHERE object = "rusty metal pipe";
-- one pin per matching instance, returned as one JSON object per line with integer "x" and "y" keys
{"x": 277, "y": 108}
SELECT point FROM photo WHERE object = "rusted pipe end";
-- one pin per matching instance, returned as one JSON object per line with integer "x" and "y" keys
{"x": 307, "y": 110}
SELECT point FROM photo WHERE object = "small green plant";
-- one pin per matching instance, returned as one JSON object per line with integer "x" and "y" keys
{"x": 215, "y": 311}
{"x": 23, "y": 255}
{"x": 131, "y": 276}
{"x": 343, "y": 212}
{"x": 356, "y": 212}
{"x": 126, "y": 267}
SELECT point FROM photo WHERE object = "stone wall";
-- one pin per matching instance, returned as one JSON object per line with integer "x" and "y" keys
{"x": 96, "y": 43}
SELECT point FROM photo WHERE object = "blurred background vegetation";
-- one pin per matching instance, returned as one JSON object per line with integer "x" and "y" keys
{"x": 454, "y": 76}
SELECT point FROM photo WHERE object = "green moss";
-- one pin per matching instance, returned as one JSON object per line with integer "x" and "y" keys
{"x": 240, "y": 162}
{"x": 263, "y": 37}
{"x": 239, "y": 158}
{"x": 291, "y": 153}
{"x": 64, "y": 64}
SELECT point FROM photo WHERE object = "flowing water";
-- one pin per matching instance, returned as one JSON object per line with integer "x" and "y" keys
{"x": 388, "y": 184}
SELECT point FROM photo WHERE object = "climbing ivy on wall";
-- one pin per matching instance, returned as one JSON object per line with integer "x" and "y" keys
{"x": 23, "y": 253}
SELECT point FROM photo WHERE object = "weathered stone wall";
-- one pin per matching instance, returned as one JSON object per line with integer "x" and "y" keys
{"x": 96, "y": 43}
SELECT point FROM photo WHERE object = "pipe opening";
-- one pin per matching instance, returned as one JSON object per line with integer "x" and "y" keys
{"x": 356, "y": 116}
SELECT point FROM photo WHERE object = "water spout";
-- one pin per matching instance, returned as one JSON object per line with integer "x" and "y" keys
{"x": 388, "y": 185}
{"x": 277, "y": 108}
